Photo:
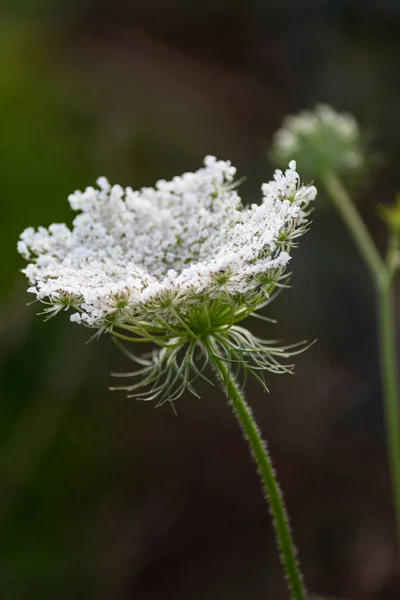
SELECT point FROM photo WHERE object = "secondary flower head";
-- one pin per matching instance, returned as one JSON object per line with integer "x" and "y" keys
{"x": 320, "y": 140}
{"x": 174, "y": 264}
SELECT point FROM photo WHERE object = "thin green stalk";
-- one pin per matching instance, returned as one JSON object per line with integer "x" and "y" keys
{"x": 357, "y": 228}
{"x": 382, "y": 276}
{"x": 260, "y": 453}
{"x": 388, "y": 359}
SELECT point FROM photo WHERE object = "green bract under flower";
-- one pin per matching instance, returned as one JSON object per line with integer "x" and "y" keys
{"x": 320, "y": 140}
{"x": 172, "y": 264}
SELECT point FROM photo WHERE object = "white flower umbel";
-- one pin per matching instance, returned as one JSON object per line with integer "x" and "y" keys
{"x": 320, "y": 140}
{"x": 172, "y": 264}
{"x": 181, "y": 265}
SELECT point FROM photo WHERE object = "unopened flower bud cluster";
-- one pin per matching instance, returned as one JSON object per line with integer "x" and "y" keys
{"x": 157, "y": 252}
{"x": 320, "y": 139}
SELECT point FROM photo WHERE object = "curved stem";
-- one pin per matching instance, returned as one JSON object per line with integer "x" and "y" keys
{"x": 350, "y": 215}
{"x": 260, "y": 453}
{"x": 382, "y": 276}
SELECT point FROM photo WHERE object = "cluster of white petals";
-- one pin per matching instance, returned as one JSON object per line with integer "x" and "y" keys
{"x": 131, "y": 254}
{"x": 320, "y": 138}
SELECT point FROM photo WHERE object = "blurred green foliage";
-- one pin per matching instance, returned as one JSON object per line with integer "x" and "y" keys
{"x": 43, "y": 146}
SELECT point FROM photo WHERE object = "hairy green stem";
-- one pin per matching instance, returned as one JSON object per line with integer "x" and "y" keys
{"x": 382, "y": 276}
{"x": 260, "y": 453}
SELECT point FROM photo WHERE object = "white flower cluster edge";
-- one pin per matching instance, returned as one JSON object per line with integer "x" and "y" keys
{"x": 132, "y": 254}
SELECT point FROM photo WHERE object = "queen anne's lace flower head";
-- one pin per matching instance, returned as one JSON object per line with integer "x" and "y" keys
{"x": 172, "y": 264}
{"x": 320, "y": 140}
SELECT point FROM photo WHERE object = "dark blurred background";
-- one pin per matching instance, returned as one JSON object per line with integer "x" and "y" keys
{"x": 105, "y": 498}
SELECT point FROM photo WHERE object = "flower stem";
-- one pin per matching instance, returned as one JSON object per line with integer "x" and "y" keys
{"x": 351, "y": 217}
{"x": 388, "y": 359}
{"x": 261, "y": 455}
{"x": 382, "y": 276}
